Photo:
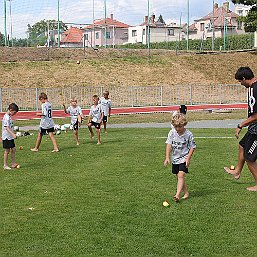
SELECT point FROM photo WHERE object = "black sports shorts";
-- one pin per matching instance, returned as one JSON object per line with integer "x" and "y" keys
{"x": 249, "y": 143}
{"x": 45, "y": 131}
{"x": 8, "y": 144}
{"x": 179, "y": 167}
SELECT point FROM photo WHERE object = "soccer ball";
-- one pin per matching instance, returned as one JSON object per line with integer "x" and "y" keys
{"x": 18, "y": 134}
{"x": 57, "y": 127}
{"x": 16, "y": 128}
{"x": 58, "y": 132}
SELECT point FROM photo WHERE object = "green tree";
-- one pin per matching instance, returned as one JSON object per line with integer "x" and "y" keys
{"x": 1, "y": 39}
{"x": 38, "y": 32}
{"x": 250, "y": 21}
{"x": 160, "y": 19}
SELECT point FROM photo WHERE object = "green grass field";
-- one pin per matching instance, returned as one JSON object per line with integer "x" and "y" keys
{"x": 106, "y": 200}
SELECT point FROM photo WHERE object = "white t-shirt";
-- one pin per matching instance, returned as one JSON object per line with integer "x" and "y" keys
{"x": 74, "y": 113}
{"x": 106, "y": 105}
{"x": 7, "y": 122}
{"x": 46, "y": 118}
{"x": 180, "y": 145}
{"x": 96, "y": 113}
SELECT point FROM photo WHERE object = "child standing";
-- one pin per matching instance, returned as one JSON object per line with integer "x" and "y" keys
{"x": 95, "y": 118}
{"x": 106, "y": 103}
{"x": 181, "y": 142}
{"x": 46, "y": 123}
{"x": 76, "y": 117}
{"x": 8, "y": 136}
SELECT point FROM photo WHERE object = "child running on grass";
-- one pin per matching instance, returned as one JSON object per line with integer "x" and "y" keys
{"x": 95, "y": 118}
{"x": 46, "y": 123}
{"x": 8, "y": 136}
{"x": 181, "y": 143}
{"x": 76, "y": 117}
{"x": 106, "y": 103}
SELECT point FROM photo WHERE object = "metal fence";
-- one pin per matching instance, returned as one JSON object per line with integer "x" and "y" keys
{"x": 127, "y": 96}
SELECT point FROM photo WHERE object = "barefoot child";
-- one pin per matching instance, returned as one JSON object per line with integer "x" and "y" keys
{"x": 76, "y": 114}
{"x": 181, "y": 142}
{"x": 95, "y": 118}
{"x": 46, "y": 123}
{"x": 106, "y": 103}
{"x": 8, "y": 136}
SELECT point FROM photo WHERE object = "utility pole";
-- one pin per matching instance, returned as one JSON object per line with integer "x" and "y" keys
{"x": 105, "y": 25}
{"x": 225, "y": 31}
{"x": 187, "y": 25}
{"x": 5, "y": 30}
{"x": 213, "y": 33}
{"x": 148, "y": 27}
{"x": 59, "y": 23}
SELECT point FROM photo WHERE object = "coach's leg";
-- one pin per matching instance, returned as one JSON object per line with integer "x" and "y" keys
{"x": 253, "y": 168}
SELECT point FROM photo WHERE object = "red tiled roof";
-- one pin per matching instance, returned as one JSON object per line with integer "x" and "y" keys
{"x": 108, "y": 22}
{"x": 72, "y": 35}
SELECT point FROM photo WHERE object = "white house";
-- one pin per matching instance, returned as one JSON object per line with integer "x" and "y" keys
{"x": 159, "y": 32}
{"x": 223, "y": 20}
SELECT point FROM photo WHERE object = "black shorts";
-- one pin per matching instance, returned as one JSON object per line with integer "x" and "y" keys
{"x": 249, "y": 143}
{"x": 75, "y": 126}
{"x": 179, "y": 167}
{"x": 105, "y": 119}
{"x": 45, "y": 131}
{"x": 8, "y": 144}
{"x": 97, "y": 125}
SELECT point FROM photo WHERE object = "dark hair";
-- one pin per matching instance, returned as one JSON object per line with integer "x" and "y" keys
{"x": 42, "y": 96}
{"x": 183, "y": 109}
{"x": 13, "y": 107}
{"x": 244, "y": 73}
{"x": 95, "y": 96}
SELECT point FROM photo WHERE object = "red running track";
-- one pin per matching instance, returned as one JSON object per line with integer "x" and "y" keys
{"x": 26, "y": 115}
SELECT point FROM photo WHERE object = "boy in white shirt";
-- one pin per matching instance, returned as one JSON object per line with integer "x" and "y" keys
{"x": 106, "y": 103}
{"x": 8, "y": 136}
{"x": 76, "y": 117}
{"x": 95, "y": 118}
{"x": 46, "y": 123}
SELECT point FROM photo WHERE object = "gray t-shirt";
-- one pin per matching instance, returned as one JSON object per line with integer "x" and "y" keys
{"x": 106, "y": 105}
{"x": 7, "y": 122}
{"x": 74, "y": 113}
{"x": 46, "y": 118}
{"x": 180, "y": 145}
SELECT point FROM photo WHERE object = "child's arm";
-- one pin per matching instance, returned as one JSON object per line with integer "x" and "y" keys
{"x": 167, "y": 159}
{"x": 110, "y": 111}
{"x": 10, "y": 132}
{"x": 189, "y": 156}
{"x": 64, "y": 108}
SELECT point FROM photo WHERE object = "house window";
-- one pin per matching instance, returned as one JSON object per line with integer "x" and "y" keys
{"x": 97, "y": 35}
{"x": 134, "y": 33}
{"x": 171, "y": 32}
{"x": 240, "y": 12}
{"x": 86, "y": 36}
{"x": 143, "y": 32}
{"x": 108, "y": 34}
{"x": 239, "y": 24}
{"x": 202, "y": 26}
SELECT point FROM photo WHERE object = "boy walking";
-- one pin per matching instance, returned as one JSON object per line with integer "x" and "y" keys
{"x": 76, "y": 117}
{"x": 181, "y": 142}
{"x": 8, "y": 136}
{"x": 95, "y": 118}
{"x": 46, "y": 123}
{"x": 106, "y": 103}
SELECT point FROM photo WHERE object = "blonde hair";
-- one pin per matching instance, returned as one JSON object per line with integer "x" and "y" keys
{"x": 179, "y": 120}
{"x": 73, "y": 99}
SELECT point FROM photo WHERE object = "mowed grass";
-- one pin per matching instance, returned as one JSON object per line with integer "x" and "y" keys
{"x": 106, "y": 200}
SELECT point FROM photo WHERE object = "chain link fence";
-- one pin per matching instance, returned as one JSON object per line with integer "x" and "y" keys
{"x": 127, "y": 96}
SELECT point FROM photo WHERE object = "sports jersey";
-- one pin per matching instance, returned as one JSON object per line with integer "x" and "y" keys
{"x": 7, "y": 122}
{"x": 46, "y": 118}
{"x": 74, "y": 113}
{"x": 180, "y": 145}
{"x": 252, "y": 106}
{"x": 106, "y": 105}
{"x": 96, "y": 113}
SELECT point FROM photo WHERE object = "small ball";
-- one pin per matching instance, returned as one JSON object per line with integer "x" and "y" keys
{"x": 165, "y": 204}
{"x": 78, "y": 62}
{"x": 232, "y": 167}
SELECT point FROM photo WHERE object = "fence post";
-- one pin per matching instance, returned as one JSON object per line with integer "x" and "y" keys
{"x": 191, "y": 94}
{"x": 36, "y": 99}
{"x": 1, "y": 100}
{"x": 161, "y": 96}
{"x": 220, "y": 95}
{"x": 132, "y": 96}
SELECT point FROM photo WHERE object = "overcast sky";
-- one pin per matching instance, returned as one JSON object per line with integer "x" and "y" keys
{"x": 132, "y": 12}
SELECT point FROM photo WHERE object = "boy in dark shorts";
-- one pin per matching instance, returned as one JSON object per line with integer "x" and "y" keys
{"x": 46, "y": 123}
{"x": 8, "y": 136}
{"x": 181, "y": 142}
{"x": 95, "y": 118}
{"x": 248, "y": 144}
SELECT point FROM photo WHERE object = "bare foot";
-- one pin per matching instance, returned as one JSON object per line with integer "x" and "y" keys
{"x": 91, "y": 135}
{"x": 254, "y": 188}
{"x": 186, "y": 195}
{"x": 232, "y": 172}
{"x": 175, "y": 198}
{"x": 99, "y": 143}
{"x": 34, "y": 150}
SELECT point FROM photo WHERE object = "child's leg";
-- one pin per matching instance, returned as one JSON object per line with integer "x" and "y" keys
{"x": 38, "y": 142}
{"x": 6, "y": 152}
{"x": 181, "y": 183}
{"x": 13, "y": 151}
{"x": 104, "y": 122}
{"x": 76, "y": 133}
{"x": 51, "y": 135}
{"x": 98, "y": 136}
{"x": 186, "y": 194}
{"x": 90, "y": 130}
